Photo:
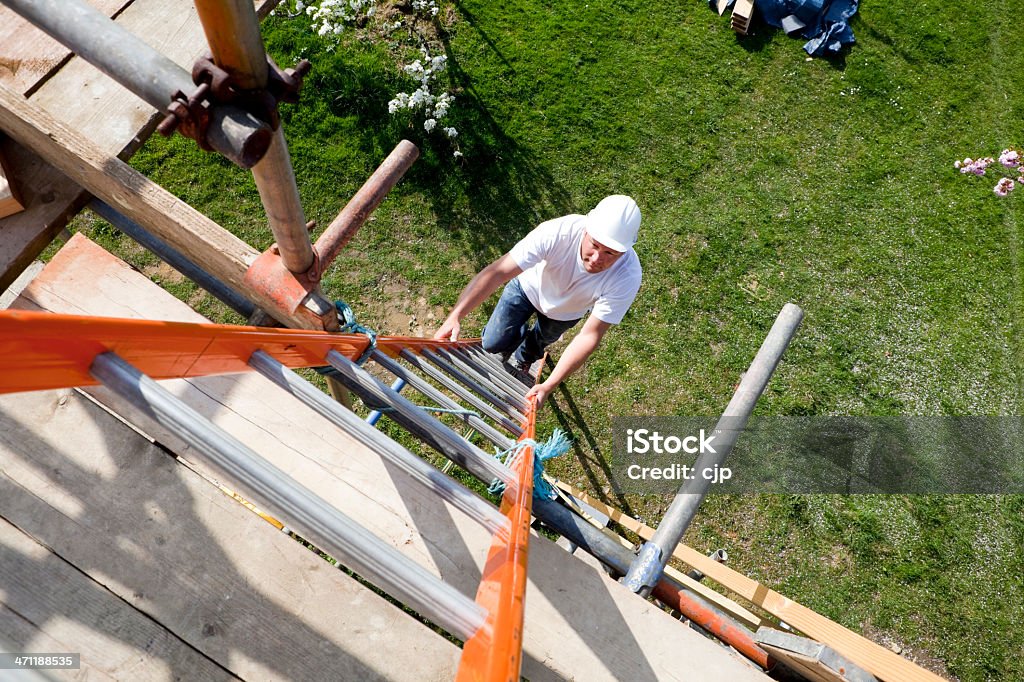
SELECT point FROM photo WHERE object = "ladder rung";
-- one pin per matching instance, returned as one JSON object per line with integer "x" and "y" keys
{"x": 515, "y": 388}
{"x": 461, "y": 391}
{"x": 440, "y": 398}
{"x": 500, "y": 380}
{"x": 483, "y": 388}
{"x": 421, "y": 425}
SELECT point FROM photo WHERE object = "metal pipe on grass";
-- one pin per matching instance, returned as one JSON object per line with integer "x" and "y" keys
{"x": 359, "y": 207}
{"x": 647, "y": 568}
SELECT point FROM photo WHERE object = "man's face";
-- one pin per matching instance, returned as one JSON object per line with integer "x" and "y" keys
{"x": 596, "y": 256}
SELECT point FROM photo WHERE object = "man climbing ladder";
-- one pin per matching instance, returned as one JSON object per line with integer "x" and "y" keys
{"x": 559, "y": 272}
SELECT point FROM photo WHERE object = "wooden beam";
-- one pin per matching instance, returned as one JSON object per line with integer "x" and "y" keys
{"x": 876, "y": 659}
{"x": 110, "y": 116}
{"x": 211, "y": 247}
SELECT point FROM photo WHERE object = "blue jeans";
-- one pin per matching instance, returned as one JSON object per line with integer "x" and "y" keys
{"x": 507, "y": 332}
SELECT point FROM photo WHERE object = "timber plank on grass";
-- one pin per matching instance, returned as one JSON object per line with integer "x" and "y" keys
{"x": 95, "y": 106}
{"x": 887, "y": 665}
{"x": 142, "y": 527}
{"x": 49, "y": 606}
{"x": 579, "y": 623}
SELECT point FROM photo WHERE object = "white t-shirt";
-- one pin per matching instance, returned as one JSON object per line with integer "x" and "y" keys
{"x": 558, "y": 285}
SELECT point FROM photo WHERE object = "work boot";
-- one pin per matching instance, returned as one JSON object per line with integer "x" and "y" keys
{"x": 521, "y": 370}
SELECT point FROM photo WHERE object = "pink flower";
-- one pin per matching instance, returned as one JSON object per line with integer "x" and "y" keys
{"x": 1010, "y": 158}
{"x": 1004, "y": 187}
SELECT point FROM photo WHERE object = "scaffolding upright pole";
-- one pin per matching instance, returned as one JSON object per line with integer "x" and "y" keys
{"x": 233, "y": 33}
{"x": 646, "y": 569}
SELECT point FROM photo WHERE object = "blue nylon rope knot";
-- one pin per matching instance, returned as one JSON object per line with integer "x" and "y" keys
{"x": 351, "y": 326}
{"x": 555, "y": 446}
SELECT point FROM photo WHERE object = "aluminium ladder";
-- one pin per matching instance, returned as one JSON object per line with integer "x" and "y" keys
{"x": 46, "y": 351}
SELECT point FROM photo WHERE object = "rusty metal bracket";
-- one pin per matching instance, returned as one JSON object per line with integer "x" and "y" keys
{"x": 294, "y": 296}
{"x": 268, "y": 274}
{"x": 191, "y": 113}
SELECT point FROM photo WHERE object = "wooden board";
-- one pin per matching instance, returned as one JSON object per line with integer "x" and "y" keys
{"x": 49, "y": 606}
{"x": 579, "y": 623}
{"x": 876, "y": 659}
{"x": 27, "y": 55}
{"x": 10, "y": 198}
{"x": 144, "y": 528}
{"x": 104, "y": 113}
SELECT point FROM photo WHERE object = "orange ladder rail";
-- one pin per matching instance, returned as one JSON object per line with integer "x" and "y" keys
{"x": 495, "y": 652}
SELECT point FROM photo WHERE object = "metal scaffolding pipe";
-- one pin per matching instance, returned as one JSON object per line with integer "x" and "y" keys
{"x": 375, "y": 415}
{"x": 604, "y": 547}
{"x": 233, "y": 32}
{"x": 647, "y": 567}
{"x": 235, "y": 133}
{"x": 279, "y": 193}
{"x": 176, "y": 259}
{"x": 358, "y": 209}
{"x": 422, "y": 473}
{"x": 281, "y": 496}
{"x": 714, "y": 621}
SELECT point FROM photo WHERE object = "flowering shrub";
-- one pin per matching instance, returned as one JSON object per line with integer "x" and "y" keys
{"x": 433, "y": 107}
{"x": 330, "y": 17}
{"x": 1011, "y": 161}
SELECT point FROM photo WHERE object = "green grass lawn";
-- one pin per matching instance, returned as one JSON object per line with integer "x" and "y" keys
{"x": 764, "y": 178}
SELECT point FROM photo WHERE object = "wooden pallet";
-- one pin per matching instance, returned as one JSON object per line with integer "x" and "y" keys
{"x": 742, "y": 13}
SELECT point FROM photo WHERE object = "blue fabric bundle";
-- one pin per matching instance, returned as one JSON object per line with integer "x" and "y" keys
{"x": 823, "y": 21}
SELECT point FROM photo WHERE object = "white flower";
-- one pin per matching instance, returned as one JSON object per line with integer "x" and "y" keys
{"x": 457, "y": 154}
{"x": 452, "y": 133}
{"x": 429, "y": 125}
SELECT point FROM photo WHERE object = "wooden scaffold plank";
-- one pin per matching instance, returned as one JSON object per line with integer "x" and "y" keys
{"x": 211, "y": 573}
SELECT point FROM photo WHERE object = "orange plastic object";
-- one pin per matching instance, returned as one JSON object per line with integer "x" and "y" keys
{"x": 495, "y": 652}
{"x": 45, "y": 350}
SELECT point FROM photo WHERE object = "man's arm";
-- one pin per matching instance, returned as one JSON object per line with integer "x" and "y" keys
{"x": 576, "y": 353}
{"x": 476, "y": 292}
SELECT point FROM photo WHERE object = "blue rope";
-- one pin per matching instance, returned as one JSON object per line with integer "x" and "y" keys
{"x": 351, "y": 326}
{"x": 557, "y": 445}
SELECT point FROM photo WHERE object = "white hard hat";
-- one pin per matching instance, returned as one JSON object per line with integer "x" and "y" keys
{"x": 615, "y": 222}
